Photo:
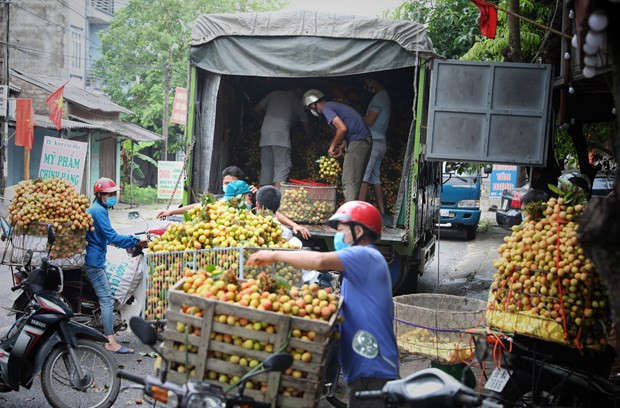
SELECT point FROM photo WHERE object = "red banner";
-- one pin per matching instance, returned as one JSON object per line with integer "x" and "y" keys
{"x": 179, "y": 107}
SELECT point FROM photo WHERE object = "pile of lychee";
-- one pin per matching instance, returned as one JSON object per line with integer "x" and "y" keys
{"x": 544, "y": 273}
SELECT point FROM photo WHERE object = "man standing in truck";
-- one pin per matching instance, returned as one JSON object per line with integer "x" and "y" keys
{"x": 281, "y": 109}
{"x": 377, "y": 118}
{"x": 353, "y": 138}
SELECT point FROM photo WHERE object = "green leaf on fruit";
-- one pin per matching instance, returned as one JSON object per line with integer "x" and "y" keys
{"x": 186, "y": 217}
{"x": 281, "y": 282}
{"x": 210, "y": 268}
{"x": 554, "y": 189}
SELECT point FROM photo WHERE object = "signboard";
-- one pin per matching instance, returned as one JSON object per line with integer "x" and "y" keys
{"x": 503, "y": 177}
{"x": 64, "y": 159}
{"x": 167, "y": 175}
{"x": 179, "y": 107}
{"x": 4, "y": 96}
{"x": 489, "y": 112}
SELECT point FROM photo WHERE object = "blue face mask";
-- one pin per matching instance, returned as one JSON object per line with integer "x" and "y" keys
{"x": 339, "y": 241}
{"x": 111, "y": 201}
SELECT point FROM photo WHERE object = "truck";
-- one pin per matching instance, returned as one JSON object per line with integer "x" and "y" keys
{"x": 460, "y": 200}
{"x": 233, "y": 55}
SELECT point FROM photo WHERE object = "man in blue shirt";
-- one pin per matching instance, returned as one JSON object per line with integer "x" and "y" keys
{"x": 366, "y": 289}
{"x": 98, "y": 240}
{"x": 353, "y": 138}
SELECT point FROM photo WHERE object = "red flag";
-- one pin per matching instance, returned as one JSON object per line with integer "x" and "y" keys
{"x": 488, "y": 18}
{"x": 54, "y": 103}
{"x": 24, "y": 123}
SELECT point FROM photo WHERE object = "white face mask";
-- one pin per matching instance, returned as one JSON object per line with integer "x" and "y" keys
{"x": 314, "y": 112}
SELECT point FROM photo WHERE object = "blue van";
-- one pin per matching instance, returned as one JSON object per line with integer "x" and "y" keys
{"x": 460, "y": 200}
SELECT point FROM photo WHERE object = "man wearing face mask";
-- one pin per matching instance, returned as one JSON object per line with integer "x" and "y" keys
{"x": 367, "y": 292}
{"x": 353, "y": 138}
{"x": 97, "y": 241}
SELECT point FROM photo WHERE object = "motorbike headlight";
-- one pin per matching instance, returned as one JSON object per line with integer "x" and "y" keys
{"x": 468, "y": 204}
{"x": 205, "y": 401}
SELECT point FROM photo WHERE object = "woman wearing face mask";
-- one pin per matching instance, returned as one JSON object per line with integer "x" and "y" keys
{"x": 98, "y": 240}
{"x": 367, "y": 292}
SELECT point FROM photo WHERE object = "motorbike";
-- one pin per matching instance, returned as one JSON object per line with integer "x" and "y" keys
{"x": 80, "y": 296}
{"x": 45, "y": 339}
{"x": 430, "y": 387}
{"x": 195, "y": 394}
{"x": 536, "y": 372}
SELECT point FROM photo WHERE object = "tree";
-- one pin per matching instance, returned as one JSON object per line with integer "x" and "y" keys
{"x": 143, "y": 39}
{"x": 451, "y": 24}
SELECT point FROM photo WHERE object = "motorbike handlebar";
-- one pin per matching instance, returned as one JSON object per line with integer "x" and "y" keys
{"x": 14, "y": 288}
{"x": 369, "y": 395}
{"x": 469, "y": 400}
{"x": 131, "y": 377}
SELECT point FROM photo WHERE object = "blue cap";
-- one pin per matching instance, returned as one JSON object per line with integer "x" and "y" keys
{"x": 235, "y": 188}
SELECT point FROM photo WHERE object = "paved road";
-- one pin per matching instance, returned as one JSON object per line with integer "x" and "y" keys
{"x": 464, "y": 268}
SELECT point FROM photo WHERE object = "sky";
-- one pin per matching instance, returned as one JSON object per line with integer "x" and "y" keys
{"x": 368, "y": 8}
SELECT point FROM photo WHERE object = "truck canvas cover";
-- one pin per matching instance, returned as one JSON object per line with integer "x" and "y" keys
{"x": 304, "y": 44}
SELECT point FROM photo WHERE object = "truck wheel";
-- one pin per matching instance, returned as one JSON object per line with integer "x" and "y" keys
{"x": 470, "y": 230}
{"x": 408, "y": 279}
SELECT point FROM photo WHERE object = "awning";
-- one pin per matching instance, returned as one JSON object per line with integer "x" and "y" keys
{"x": 305, "y": 44}
{"x": 125, "y": 129}
{"x": 72, "y": 93}
{"x": 45, "y": 122}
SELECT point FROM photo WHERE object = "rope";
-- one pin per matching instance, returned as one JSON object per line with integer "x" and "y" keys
{"x": 429, "y": 328}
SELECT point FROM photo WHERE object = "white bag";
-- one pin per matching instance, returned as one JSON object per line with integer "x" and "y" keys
{"x": 124, "y": 273}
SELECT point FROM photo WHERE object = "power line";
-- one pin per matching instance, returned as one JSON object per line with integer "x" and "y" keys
{"x": 81, "y": 15}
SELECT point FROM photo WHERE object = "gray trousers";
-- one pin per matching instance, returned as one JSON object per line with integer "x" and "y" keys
{"x": 354, "y": 166}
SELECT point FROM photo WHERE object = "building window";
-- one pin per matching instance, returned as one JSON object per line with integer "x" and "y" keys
{"x": 77, "y": 41}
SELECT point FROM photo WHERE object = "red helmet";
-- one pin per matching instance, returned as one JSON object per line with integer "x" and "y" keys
{"x": 105, "y": 185}
{"x": 359, "y": 212}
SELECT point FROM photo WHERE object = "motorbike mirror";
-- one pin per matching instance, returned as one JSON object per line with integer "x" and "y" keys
{"x": 133, "y": 215}
{"x": 488, "y": 169}
{"x": 365, "y": 344}
{"x": 51, "y": 237}
{"x": 143, "y": 330}
{"x": 278, "y": 362}
{"x": 27, "y": 258}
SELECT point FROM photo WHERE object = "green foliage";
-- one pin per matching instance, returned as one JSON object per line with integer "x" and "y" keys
{"x": 141, "y": 195}
{"x": 452, "y": 25}
{"x": 126, "y": 163}
{"x": 144, "y": 38}
{"x": 487, "y": 49}
{"x": 564, "y": 150}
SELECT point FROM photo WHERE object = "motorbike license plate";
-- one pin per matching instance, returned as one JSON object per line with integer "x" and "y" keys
{"x": 498, "y": 380}
{"x": 505, "y": 205}
{"x": 444, "y": 213}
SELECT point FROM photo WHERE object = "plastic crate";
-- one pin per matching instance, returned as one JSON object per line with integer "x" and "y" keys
{"x": 309, "y": 202}
{"x": 199, "y": 342}
{"x": 433, "y": 325}
{"x": 167, "y": 268}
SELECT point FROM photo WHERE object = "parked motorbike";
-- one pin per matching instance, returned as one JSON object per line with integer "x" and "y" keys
{"x": 75, "y": 368}
{"x": 195, "y": 394}
{"x": 541, "y": 373}
{"x": 426, "y": 388}
{"x": 79, "y": 295}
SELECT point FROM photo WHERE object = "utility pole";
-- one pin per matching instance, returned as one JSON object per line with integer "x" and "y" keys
{"x": 4, "y": 80}
{"x": 164, "y": 131}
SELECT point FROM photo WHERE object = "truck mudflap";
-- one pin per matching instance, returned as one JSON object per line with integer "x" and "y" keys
{"x": 427, "y": 253}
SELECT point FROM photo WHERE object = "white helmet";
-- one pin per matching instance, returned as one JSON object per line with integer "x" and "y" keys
{"x": 311, "y": 96}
